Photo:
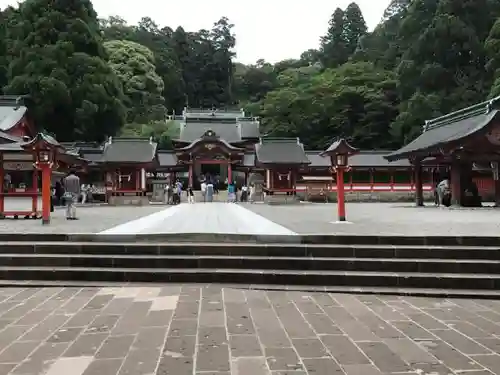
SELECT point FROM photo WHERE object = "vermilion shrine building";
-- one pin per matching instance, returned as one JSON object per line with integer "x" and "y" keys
{"x": 226, "y": 144}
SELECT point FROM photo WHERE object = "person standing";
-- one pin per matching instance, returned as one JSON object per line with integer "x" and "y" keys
{"x": 190, "y": 194}
{"x": 231, "y": 192}
{"x": 204, "y": 191}
{"x": 71, "y": 193}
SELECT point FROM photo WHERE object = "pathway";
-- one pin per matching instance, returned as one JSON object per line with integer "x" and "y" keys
{"x": 215, "y": 330}
{"x": 218, "y": 218}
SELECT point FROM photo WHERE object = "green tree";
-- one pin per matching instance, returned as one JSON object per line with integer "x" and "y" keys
{"x": 354, "y": 27}
{"x": 492, "y": 47}
{"x": 58, "y": 59}
{"x": 333, "y": 49}
{"x": 134, "y": 64}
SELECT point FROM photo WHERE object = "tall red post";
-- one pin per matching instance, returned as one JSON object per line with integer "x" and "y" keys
{"x": 46, "y": 193}
{"x": 340, "y": 194}
{"x": 229, "y": 173}
{"x": 190, "y": 175}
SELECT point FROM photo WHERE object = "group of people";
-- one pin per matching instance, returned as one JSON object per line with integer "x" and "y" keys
{"x": 173, "y": 192}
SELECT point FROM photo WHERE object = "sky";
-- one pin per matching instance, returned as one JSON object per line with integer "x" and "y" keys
{"x": 272, "y": 30}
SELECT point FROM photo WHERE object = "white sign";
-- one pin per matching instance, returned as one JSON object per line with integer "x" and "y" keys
{"x": 18, "y": 166}
{"x": 157, "y": 175}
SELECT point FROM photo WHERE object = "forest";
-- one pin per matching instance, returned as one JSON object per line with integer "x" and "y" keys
{"x": 88, "y": 78}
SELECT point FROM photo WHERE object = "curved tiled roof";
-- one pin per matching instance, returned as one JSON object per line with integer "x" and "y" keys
{"x": 454, "y": 127}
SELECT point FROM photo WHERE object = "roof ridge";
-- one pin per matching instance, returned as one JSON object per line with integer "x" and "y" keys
{"x": 464, "y": 113}
{"x": 280, "y": 140}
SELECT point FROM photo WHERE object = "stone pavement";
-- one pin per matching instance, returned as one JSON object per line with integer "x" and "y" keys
{"x": 384, "y": 219}
{"x": 219, "y": 330}
{"x": 366, "y": 219}
{"x": 93, "y": 219}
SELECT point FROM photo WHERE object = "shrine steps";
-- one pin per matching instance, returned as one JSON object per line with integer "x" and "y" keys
{"x": 400, "y": 267}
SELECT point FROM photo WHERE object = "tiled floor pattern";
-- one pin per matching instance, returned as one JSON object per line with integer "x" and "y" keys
{"x": 213, "y": 330}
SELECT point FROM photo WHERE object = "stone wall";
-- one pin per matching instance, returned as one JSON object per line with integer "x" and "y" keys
{"x": 128, "y": 200}
{"x": 376, "y": 196}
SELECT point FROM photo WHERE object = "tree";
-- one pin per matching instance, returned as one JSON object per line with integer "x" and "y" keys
{"x": 134, "y": 64}
{"x": 58, "y": 59}
{"x": 354, "y": 27}
{"x": 492, "y": 47}
{"x": 333, "y": 48}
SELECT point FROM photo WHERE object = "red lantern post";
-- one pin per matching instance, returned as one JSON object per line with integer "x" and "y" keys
{"x": 45, "y": 148}
{"x": 339, "y": 153}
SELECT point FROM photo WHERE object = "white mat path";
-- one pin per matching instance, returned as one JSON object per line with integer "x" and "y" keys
{"x": 218, "y": 218}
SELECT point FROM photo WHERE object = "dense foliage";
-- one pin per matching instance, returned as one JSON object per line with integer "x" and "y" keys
{"x": 91, "y": 78}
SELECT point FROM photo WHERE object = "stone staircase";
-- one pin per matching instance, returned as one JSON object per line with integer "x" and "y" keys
{"x": 341, "y": 261}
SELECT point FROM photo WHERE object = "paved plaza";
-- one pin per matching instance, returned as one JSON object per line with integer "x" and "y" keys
{"x": 216, "y": 330}
{"x": 364, "y": 218}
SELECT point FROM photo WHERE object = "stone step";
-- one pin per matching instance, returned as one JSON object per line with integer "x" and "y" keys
{"x": 218, "y": 262}
{"x": 308, "y": 239}
{"x": 257, "y": 276}
{"x": 253, "y": 249}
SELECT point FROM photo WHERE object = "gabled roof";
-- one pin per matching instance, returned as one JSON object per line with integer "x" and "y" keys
{"x": 280, "y": 151}
{"x": 191, "y": 131}
{"x": 454, "y": 127}
{"x": 129, "y": 150}
{"x": 12, "y": 110}
{"x": 167, "y": 158}
{"x": 210, "y": 136}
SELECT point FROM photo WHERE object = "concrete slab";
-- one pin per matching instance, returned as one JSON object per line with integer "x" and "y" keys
{"x": 217, "y": 218}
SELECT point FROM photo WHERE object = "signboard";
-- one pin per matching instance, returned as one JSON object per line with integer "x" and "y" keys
{"x": 18, "y": 165}
{"x": 157, "y": 175}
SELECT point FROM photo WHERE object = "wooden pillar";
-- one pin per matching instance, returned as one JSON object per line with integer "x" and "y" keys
{"x": 391, "y": 178}
{"x": 496, "y": 182}
{"x": 229, "y": 172}
{"x": 246, "y": 178}
{"x": 190, "y": 174}
{"x": 46, "y": 193}
{"x": 2, "y": 187}
{"x": 419, "y": 189}
{"x": 456, "y": 183}
{"x": 34, "y": 198}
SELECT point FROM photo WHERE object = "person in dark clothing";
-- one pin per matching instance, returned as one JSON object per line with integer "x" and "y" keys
{"x": 59, "y": 191}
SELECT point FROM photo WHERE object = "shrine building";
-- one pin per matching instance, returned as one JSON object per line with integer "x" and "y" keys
{"x": 466, "y": 144}
{"x": 229, "y": 145}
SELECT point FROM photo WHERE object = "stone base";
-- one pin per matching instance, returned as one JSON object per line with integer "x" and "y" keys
{"x": 279, "y": 199}
{"x": 128, "y": 201}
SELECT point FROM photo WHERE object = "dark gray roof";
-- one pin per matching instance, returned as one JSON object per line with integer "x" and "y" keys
{"x": 249, "y": 159}
{"x": 249, "y": 128}
{"x": 362, "y": 159}
{"x": 167, "y": 159}
{"x": 375, "y": 158}
{"x": 190, "y": 132}
{"x": 317, "y": 160}
{"x": 280, "y": 151}
{"x": 92, "y": 157}
{"x": 129, "y": 150}
{"x": 453, "y": 127}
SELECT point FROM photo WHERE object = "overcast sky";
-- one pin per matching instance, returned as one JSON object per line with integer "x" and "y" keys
{"x": 273, "y": 30}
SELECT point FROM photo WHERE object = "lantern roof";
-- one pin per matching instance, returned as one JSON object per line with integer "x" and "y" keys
{"x": 340, "y": 146}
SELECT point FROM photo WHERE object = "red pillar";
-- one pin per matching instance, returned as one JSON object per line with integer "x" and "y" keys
{"x": 34, "y": 199}
{"x": 46, "y": 177}
{"x": 340, "y": 194}
{"x": 190, "y": 175}
{"x": 2, "y": 189}
{"x": 229, "y": 173}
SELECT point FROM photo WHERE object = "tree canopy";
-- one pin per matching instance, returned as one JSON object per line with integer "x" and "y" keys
{"x": 91, "y": 78}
